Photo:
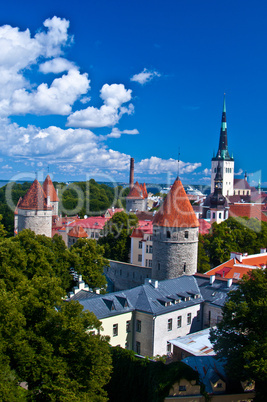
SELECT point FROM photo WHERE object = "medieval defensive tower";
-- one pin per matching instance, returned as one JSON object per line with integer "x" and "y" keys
{"x": 34, "y": 212}
{"x": 175, "y": 236}
{"x": 51, "y": 195}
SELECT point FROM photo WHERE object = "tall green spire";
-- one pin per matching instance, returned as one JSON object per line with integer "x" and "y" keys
{"x": 223, "y": 144}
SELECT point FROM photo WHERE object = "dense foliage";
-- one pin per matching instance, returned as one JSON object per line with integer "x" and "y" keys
{"x": 116, "y": 239}
{"x": 234, "y": 234}
{"x": 43, "y": 339}
{"x": 241, "y": 336}
{"x": 134, "y": 379}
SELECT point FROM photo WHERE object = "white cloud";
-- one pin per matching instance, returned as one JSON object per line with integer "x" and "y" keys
{"x": 19, "y": 52}
{"x": 145, "y": 76}
{"x": 116, "y": 133}
{"x": 108, "y": 114}
{"x": 85, "y": 99}
{"x": 239, "y": 172}
{"x": 207, "y": 172}
{"x": 56, "y": 66}
{"x": 56, "y": 99}
{"x": 159, "y": 165}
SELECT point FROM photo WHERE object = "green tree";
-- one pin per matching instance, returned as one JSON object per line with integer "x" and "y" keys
{"x": 241, "y": 336}
{"x": 116, "y": 239}
{"x": 88, "y": 260}
{"x": 203, "y": 262}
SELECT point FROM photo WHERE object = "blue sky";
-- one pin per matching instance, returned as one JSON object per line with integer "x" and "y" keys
{"x": 87, "y": 84}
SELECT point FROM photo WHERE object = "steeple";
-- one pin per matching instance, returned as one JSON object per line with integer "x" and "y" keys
{"x": 223, "y": 144}
{"x": 217, "y": 198}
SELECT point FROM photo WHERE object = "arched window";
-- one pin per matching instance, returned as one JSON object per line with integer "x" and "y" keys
{"x": 184, "y": 266}
{"x": 186, "y": 234}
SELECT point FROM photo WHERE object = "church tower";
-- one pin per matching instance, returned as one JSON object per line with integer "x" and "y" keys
{"x": 175, "y": 236}
{"x": 218, "y": 204}
{"x": 223, "y": 157}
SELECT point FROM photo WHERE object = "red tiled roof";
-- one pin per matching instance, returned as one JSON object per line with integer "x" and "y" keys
{"x": 49, "y": 189}
{"x": 144, "y": 227}
{"x": 113, "y": 211}
{"x": 138, "y": 191}
{"x": 77, "y": 231}
{"x": 93, "y": 222}
{"x": 237, "y": 269}
{"x": 176, "y": 210}
{"x": 248, "y": 210}
{"x": 34, "y": 198}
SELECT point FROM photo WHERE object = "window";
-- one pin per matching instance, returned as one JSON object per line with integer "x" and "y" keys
{"x": 147, "y": 248}
{"x": 150, "y": 249}
{"x": 168, "y": 234}
{"x": 169, "y": 324}
{"x": 138, "y": 326}
{"x": 220, "y": 215}
{"x": 182, "y": 387}
{"x": 219, "y": 385}
{"x": 138, "y": 348}
{"x": 92, "y": 235}
{"x": 189, "y": 318}
{"x": 139, "y": 257}
{"x": 186, "y": 234}
{"x": 115, "y": 329}
{"x": 128, "y": 326}
{"x": 213, "y": 215}
{"x": 96, "y": 235}
{"x": 179, "y": 321}
{"x": 140, "y": 244}
{"x": 150, "y": 263}
{"x": 146, "y": 263}
{"x": 169, "y": 347}
{"x": 184, "y": 266}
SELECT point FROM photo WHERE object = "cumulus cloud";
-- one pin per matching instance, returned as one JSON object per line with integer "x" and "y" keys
{"x": 207, "y": 172}
{"x": 108, "y": 114}
{"x": 56, "y": 99}
{"x": 56, "y": 66}
{"x": 145, "y": 76}
{"x": 159, "y": 165}
{"x": 239, "y": 172}
{"x": 19, "y": 52}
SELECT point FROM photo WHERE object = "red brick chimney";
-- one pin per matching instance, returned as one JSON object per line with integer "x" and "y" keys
{"x": 132, "y": 173}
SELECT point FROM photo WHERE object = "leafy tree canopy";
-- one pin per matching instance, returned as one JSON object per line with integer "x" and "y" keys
{"x": 116, "y": 239}
{"x": 45, "y": 341}
{"x": 241, "y": 336}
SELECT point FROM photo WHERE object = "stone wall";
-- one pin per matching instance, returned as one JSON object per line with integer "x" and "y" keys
{"x": 40, "y": 222}
{"x": 126, "y": 276}
{"x": 174, "y": 252}
{"x": 133, "y": 204}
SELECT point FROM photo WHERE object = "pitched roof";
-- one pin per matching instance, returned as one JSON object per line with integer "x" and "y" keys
{"x": 77, "y": 231}
{"x": 236, "y": 268}
{"x": 241, "y": 184}
{"x": 34, "y": 198}
{"x": 49, "y": 189}
{"x": 248, "y": 210}
{"x": 176, "y": 210}
{"x": 93, "y": 222}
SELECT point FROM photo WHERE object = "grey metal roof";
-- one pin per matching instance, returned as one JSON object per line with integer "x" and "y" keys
{"x": 197, "y": 343}
{"x": 215, "y": 293}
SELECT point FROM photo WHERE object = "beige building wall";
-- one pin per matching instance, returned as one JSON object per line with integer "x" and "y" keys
{"x": 211, "y": 315}
{"x": 124, "y": 332}
{"x": 141, "y": 250}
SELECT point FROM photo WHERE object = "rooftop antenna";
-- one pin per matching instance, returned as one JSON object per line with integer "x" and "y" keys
{"x": 47, "y": 169}
{"x": 178, "y": 168}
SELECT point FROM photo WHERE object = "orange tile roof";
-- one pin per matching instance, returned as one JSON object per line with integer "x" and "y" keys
{"x": 113, "y": 211}
{"x": 144, "y": 227}
{"x": 138, "y": 191}
{"x": 34, "y": 198}
{"x": 248, "y": 210}
{"x": 49, "y": 189}
{"x": 93, "y": 222}
{"x": 236, "y": 269}
{"x": 77, "y": 231}
{"x": 176, "y": 210}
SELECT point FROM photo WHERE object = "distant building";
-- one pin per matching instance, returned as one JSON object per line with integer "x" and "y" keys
{"x": 136, "y": 200}
{"x": 224, "y": 159}
{"x": 142, "y": 245}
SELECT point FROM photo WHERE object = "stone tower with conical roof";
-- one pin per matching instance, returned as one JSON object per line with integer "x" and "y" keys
{"x": 175, "y": 236}
{"x": 34, "y": 212}
{"x": 224, "y": 159}
{"x": 51, "y": 195}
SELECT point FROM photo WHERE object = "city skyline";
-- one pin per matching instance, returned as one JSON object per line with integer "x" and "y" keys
{"x": 85, "y": 87}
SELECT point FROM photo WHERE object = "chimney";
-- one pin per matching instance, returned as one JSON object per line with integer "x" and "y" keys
{"x": 263, "y": 250}
{"x": 212, "y": 279}
{"x": 238, "y": 256}
{"x": 229, "y": 282}
{"x": 131, "y": 172}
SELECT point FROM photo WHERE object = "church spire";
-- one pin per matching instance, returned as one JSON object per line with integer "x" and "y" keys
{"x": 223, "y": 144}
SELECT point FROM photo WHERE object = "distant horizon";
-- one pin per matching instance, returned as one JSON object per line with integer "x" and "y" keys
{"x": 85, "y": 87}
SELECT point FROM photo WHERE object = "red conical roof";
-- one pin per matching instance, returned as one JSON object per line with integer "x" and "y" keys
{"x": 138, "y": 191}
{"x": 49, "y": 189}
{"x": 176, "y": 210}
{"x": 34, "y": 198}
